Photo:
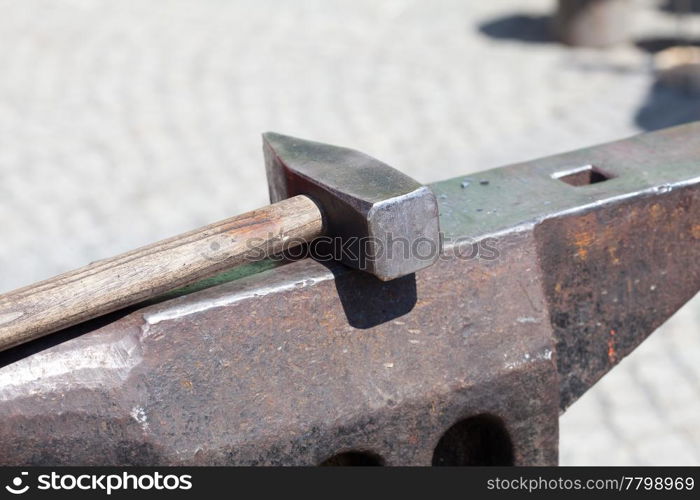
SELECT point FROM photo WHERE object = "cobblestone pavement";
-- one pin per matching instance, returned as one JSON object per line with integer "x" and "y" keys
{"x": 125, "y": 122}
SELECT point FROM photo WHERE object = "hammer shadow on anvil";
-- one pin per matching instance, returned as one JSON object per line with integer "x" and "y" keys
{"x": 368, "y": 301}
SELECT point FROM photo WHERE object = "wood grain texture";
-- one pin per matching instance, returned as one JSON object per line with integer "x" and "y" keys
{"x": 111, "y": 284}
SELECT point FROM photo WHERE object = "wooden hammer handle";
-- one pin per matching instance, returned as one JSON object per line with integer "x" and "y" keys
{"x": 111, "y": 284}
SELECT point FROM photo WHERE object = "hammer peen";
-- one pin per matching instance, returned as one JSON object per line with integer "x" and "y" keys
{"x": 316, "y": 190}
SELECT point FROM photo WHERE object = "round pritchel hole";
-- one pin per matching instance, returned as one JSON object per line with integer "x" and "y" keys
{"x": 353, "y": 458}
{"x": 478, "y": 440}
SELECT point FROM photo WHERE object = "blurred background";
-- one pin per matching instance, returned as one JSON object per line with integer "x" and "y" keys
{"x": 125, "y": 122}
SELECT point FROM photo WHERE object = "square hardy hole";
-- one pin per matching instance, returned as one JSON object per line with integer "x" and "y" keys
{"x": 582, "y": 176}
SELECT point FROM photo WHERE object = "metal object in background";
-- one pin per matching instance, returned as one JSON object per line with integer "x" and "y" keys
{"x": 552, "y": 271}
{"x": 593, "y": 23}
{"x": 678, "y": 67}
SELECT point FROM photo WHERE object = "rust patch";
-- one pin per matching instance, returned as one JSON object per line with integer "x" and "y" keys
{"x": 612, "y": 353}
{"x": 695, "y": 231}
{"x": 614, "y": 258}
{"x": 583, "y": 240}
{"x": 656, "y": 211}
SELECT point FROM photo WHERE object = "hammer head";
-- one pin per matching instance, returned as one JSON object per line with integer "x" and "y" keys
{"x": 383, "y": 221}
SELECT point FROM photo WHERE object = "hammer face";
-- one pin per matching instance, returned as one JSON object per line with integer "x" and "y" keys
{"x": 381, "y": 220}
{"x": 405, "y": 232}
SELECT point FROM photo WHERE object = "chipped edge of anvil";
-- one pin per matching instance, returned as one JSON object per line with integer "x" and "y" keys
{"x": 109, "y": 361}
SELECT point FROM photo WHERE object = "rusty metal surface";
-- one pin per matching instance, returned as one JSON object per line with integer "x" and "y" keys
{"x": 270, "y": 370}
{"x": 469, "y": 361}
{"x": 613, "y": 276}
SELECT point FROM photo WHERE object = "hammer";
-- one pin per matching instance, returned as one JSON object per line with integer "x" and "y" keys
{"x": 363, "y": 205}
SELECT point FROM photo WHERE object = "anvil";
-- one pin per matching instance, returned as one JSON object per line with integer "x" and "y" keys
{"x": 551, "y": 272}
